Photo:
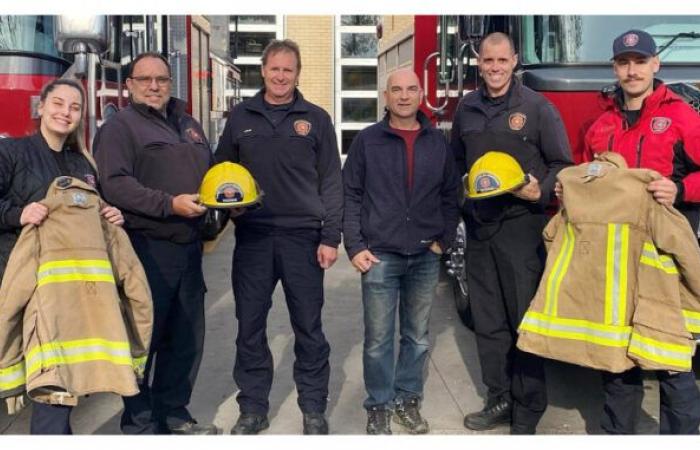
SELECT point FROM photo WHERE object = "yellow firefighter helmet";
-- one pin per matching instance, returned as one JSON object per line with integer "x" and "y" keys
{"x": 494, "y": 173}
{"x": 229, "y": 185}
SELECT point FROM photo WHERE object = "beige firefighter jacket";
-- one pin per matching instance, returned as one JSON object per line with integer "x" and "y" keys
{"x": 75, "y": 305}
{"x": 621, "y": 285}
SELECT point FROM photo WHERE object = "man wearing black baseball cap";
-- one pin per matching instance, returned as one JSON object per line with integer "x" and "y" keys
{"x": 652, "y": 128}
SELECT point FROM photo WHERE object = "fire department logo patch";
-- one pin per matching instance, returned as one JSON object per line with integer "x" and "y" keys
{"x": 660, "y": 124}
{"x": 516, "y": 121}
{"x": 302, "y": 127}
{"x": 485, "y": 182}
{"x": 229, "y": 193}
{"x": 194, "y": 136}
{"x": 90, "y": 179}
{"x": 630, "y": 40}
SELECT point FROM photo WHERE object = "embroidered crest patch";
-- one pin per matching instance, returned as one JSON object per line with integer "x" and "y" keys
{"x": 660, "y": 124}
{"x": 229, "y": 193}
{"x": 302, "y": 127}
{"x": 516, "y": 121}
{"x": 630, "y": 40}
{"x": 485, "y": 182}
{"x": 194, "y": 135}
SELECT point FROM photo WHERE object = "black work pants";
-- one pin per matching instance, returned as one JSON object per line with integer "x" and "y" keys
{"x": 175, "y": 276}
{"x": 504, "y": 264}
{"x": 260, "y": 260}
{"x": 679, "y": 409}
{"x": 50, "y": 419}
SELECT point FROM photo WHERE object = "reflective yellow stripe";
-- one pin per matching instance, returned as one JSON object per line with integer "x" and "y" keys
{"x": 139, "y": 365}
{"x": 576, "y": 329}
{"x": 68, "y": 270}
{"x": 561, "y": 265}
{"x": 661, "y": 352}
{"x": 616, "y": 274}
{"x": 60, "y": 264}
{"x": 692, "y": 321}
{"x": 79, "y": 351}
{"x": 651, "y": 257}
{"x": 12, "y": 377}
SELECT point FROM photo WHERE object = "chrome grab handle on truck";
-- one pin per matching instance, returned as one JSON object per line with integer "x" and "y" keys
{"x": 425, "y": 85}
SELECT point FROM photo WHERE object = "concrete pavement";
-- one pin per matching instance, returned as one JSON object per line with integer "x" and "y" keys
{"x": 453, "y": 384}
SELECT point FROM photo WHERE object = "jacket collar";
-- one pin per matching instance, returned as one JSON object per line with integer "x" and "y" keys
{"x": 420, "y": 116}
{"x": 257, "y": 104}
{"x": 174, "y": 107}
{"x": 661, "y": 94}
{"x": 513, "y": 95}
{"x": 39, "y": 141}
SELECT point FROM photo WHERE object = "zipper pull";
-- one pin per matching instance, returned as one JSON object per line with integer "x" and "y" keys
{"x": 639, "y": 151}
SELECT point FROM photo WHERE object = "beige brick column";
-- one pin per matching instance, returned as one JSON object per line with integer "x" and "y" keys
{"x": 315, "y": 37}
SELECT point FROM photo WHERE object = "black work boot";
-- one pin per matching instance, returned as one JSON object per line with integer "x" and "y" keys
{"x": 378, "y": 421}
{"x": 315, "y": 423}
{"x": 494, "y": 413}
{"x": 250, "y": 424}
{"x": 407, "y": 414}
{"x": 192, "y": 427}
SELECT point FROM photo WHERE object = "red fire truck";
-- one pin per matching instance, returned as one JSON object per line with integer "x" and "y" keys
{"x": 566, "y": 58}
{"x": 96, "y": 49}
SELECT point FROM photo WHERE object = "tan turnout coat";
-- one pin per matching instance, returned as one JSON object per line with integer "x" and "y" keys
{"x": 621, "y": 285}
{"x": 75, "y": 305}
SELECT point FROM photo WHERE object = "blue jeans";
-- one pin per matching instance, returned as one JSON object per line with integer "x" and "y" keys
{"x": 409, "y": 282}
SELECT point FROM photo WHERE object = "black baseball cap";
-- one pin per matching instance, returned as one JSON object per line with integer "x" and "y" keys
{"x": 634, "y": 41}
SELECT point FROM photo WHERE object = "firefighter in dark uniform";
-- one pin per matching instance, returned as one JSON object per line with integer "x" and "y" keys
{"x": 289, "y": 146}
{"x": 151, "y": 158}
{"x": 505, "y": 252}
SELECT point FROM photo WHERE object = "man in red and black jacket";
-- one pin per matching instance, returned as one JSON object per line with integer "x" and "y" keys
{"x": 652, "y": 128}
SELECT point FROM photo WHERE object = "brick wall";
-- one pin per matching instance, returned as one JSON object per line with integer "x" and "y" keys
{"x": 315, "y": 37}
{"x": 393, "y": 27}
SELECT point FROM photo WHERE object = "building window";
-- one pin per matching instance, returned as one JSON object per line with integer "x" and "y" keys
{"x": 254, "y": 33}
{"x": 359, "y": 110}
{"x": 250, "y": 43}
{"x": 254, "y": 20}
{"x": 347, "y": 138}
{"x": 356, "y": 76}
{"x": 359, "y": 20}
{"x": 358, "y": 45}
{"x": 359, "y": 78}
{"x": 251, "y": 77}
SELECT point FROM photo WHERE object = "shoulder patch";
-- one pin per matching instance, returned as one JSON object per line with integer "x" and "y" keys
{"x": 194, "y": 136}
{"x": 64, "y": 182}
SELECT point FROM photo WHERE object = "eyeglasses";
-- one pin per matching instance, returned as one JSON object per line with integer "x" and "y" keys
{"x": 147, "y": 81}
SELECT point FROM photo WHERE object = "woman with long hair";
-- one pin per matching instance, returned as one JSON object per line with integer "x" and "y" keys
{"x": 28, "y": 166}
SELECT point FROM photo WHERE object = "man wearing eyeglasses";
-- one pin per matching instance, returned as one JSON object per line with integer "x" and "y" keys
{"x": 152, "y": 157}
{"x": 401, "y": 190}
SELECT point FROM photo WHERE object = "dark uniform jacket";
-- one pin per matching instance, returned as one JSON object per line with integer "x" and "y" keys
{"x": 294, "y": 160}
{"x": 380, "y": 211}
{"x": 526, "y": 126}
{"x": 666, "y": 138}
{"x": 27, "y": 168}
{"x": 145, "y": 160}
